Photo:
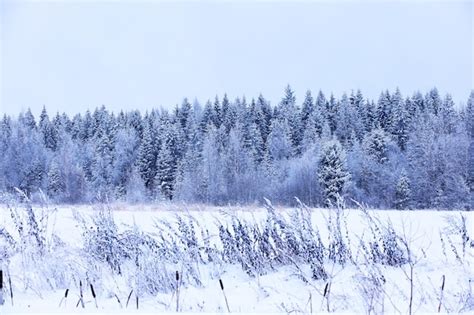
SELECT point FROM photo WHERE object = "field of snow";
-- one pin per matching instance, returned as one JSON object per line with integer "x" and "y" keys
{"x": 277, "y": 260}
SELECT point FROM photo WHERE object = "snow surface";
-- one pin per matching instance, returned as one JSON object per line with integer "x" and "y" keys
{"x": 287, "y": 289}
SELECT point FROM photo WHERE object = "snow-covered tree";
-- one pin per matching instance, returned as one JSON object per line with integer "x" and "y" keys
{"x": 403, "y": 192}
{"x": 332, "y": 171}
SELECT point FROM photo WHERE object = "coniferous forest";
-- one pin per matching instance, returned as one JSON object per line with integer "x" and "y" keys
{"x": 404, "y": 152}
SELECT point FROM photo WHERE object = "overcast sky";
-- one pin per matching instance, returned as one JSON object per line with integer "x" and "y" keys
{"x": 78, "y": 55}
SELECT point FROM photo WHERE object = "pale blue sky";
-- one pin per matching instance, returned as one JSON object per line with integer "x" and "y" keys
{"x": 72, "y": 56}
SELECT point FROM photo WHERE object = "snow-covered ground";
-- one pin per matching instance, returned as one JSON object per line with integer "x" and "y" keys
{"x": 433, "y": 245}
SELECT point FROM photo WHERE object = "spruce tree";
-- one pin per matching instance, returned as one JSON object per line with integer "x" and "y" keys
{"x": 470, "y": 155}
{"x": 307, "y": 108}
{"x": 166, "y": 166}
{"x": 56, "y": 181}
{"x": 146, "y": 161}
{"x": 332, "y": 172}
{"x": 403, "y": 192}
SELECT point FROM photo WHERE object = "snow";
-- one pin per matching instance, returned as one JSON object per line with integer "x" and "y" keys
{"x": 288, "y": 288}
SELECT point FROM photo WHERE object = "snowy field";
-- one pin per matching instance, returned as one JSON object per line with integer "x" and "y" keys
{"x": 268, "y": 260}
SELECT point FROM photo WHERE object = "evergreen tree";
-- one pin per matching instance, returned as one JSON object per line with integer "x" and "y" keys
{"x": 307, "y": 108}
{"x": 28, "y": 120}
{"x": 376, "y": 145}
{"x": 56, "y": 181}
{"x": 433, "y": 101}
{"x": 279, "y": 141}
{"x": 470, "y": 154}
{"x": 217, "y": 113}
{"x": 448, "y": 115}
{"x": 332, "y": 172}
{"x": 207, "y": 117}
{"x": 166, "y": 166}
{"x": 287, "y": 104}
{"x": 400, "y": 120}
{"x": 332, "y": 108}
{"x": 346, "y": 120}
{"x": 403, "y": 192}
{"x": 385, "y": 111}
{"x": 146, "y": 160}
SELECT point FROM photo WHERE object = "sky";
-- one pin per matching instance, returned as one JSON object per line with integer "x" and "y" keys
{"x": 77, "y": 55}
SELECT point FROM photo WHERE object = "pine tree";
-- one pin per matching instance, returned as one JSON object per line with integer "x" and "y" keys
{"x": 403, "y": 192}
{"x": 183, "y": 116}
{"x": 124, "y": 153}
{"x": 230, "y": 114}
{"x": 385, "y": 111}
{"x": 217, "y": 113}
{"x": 56, "y": 181}
{"x": 433, "y": 101}
{"x": 400, "y": 120}
{"x": 448, "y": 115}
{"x": 332, "y": 172}
{"x": 358, "y": 102}
{"x": 419, "y": 105}
{"x": 207, "y": 117}
{"x": 166, "y": 165}
{"x": 314, "y": 127}
{"x": 146, "y": 160}
{"x": 5, "y": 132}
{"x": 376, "y": 145}
{"x": 28, "y": 120}
{"x": 287, "y": 104}
{"x": 279, "y": 140}
{"x": 307, "y": 108}
{"x": 48, "y": 131}
{"x": 346, "y": 120}
{"x": 332, "y": 108}
{"x": 470, "y": 132}
{"x": 263, "y": 117}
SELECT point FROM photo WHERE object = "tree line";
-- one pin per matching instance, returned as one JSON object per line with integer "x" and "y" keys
{"x": 398, "y": 152}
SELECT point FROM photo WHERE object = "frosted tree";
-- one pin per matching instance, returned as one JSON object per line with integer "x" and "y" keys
{"x": 240, "y": 176}
{"x": 403, "y": 192}
{"x": 418, "y": 104}
{"x": 184, "y": 115}
{"x": 384, "y": 111}
{"x": 332, "y": 171}
{"x": 400, "y": 120}
{"x": 279, "y": 141}
{"x": 332, "y": 108}
{"x": 346, "y": 120}
{"x": 102, "y": 167}
{"x": 229, "y": 114}
{"x": 360, "y": 107}
{"x": 125, "y": 148}
{"x": 56, "y": 181}
{"x": 287, "y": 104}
{"x": 217, "y": 113}
{"x": 212, "y": 188}
{"x": 146, "y": 160}
{"x": 420, "y": 154}
{"x": 168, "y": 158}
{"x": 470, "y": 132}
{"x": 254, "y": 143}
{"x": 28, "y": 120}
{"x": 448, "y": 115}
{"x": 307, "y": 108}
{"x": 263, "y": 117}
{"x": 207, "y": 117}
{"x": 165, "y": 171}
{"x": 433, "y": 101}
{"x": 376, "y": 145}
{"x": 371, "y": 116}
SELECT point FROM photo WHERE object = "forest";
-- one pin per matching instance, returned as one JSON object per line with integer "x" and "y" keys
{"x": 403, "y": 152}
